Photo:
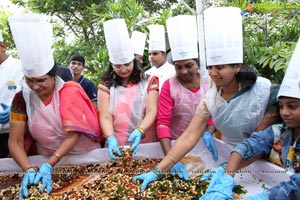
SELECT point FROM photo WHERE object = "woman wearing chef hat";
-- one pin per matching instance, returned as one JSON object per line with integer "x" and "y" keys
{"x": 237, "y": 103}
{"x": 60, "y": 117}
{"x": 280, "y": 141}
{"x": 181, "y": 93}
{"x": 127, "y": 99}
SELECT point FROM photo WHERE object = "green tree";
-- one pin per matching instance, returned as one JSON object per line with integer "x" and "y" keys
{"x": 5, "y": 31}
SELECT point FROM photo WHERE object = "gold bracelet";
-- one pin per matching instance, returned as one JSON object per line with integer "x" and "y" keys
{"x": 142, "y": 131}
{"x": 56, "y": 155}
{"x": 171, "y": 158}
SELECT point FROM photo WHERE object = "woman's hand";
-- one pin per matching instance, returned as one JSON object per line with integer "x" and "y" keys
{"x": 113, "y": 147}
{"x": 28, "y": 179}
{"x": 135, "y": 137}
{"x": 44, "y": 175}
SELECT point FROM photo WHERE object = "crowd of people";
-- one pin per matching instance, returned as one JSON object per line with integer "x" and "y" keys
{"x": 55, "y": 111}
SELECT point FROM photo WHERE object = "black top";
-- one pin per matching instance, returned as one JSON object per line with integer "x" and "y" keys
{"x": 64, "y": 73}
{"x": 89, "y": 87}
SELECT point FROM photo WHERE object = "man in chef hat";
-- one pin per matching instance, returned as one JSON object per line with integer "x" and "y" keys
{"x": 157, "y": 54}
{"x": 59, "y": 115}
{"x": 10, "y": 83}
{"x": 280, "y": 141}
{"x": 138, "y": 40}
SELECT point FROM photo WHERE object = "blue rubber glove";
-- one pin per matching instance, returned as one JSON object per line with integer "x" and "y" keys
{"x": 220, "y": 186}
{"x": 28, "y": 179}
{"x": 113, "y": 147}
{"x": 44, "y": 175}
{"x": 4, "y": 115}
{"x": 210, "y": 145}
{"x": 180, "y": 170}
{"x": 146, "y": 178}
{"x": 259, "y": 196}
{"x": 135, "y": 137}
{"x": 212, "y": 172}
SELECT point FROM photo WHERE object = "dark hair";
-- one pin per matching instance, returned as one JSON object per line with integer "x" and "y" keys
{"x": 247, "y": 76}
{"x": 53, "y": 70}
{"x": 79, "y": 58}
{"x": 110, "y": 78}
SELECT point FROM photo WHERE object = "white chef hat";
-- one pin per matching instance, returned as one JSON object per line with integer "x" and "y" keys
{"x": 32, "y": 35}
{"x": 157, "y": 41}
{"x": 138, "y": 40}
{"x": 290, "y": 86}
{"x": 1, "y": 37}
{"x": 118, "y": 42}
{"x": 223, "y": 35}
{"x": 182, "y": 33}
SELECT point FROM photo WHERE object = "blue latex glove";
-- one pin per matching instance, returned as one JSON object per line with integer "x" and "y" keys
{"x": 180, "y": 170}
{"x": 259, "y": 196}
{"x": 220, "y": 186}
{"x": 212, "y": 172}
{"x": 113, "y": 147}
{"x": 210, "y": 145}
{"x": 28, "y": 179}
{"x": 146, "y": 178}
{"x": 135, "y": 137}
{"x": 4, "y": 115}
{"x": 44, "y": 175}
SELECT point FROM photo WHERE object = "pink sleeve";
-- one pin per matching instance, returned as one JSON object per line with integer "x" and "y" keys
{"x": 164, "y": 115}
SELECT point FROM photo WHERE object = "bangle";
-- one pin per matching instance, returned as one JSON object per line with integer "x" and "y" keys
{"x": 159, "y": 175}
{"x": 31, "y": 166}
{"x": 56, "y": 155}
{"x": 142, "y": 131}
{"x": 171, "y": 158}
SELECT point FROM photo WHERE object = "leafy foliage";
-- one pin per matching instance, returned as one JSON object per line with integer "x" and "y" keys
{"x": 270, "y": 32}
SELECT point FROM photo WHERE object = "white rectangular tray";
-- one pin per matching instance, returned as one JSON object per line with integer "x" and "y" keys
{"x": 254, "y": 178}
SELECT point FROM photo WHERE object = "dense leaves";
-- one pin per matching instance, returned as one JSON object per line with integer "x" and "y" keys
{"x": 270, "y": 29}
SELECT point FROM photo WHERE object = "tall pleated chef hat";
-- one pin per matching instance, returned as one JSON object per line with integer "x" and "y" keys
{"x": 157, "y": 40}
{"x": 32, "y": 34}
{"x": 290, "y": 86}
{"x": 223, "y": 35}
{"x": 118, "y": 43}
{"x": 138, "y": 40}
{"x": 1, "y": 37}
{"x": 183, "y": 38}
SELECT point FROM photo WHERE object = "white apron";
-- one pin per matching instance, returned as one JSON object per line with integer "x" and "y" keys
{"x": 45, "y": 126}
{"x": 239, "y": 118}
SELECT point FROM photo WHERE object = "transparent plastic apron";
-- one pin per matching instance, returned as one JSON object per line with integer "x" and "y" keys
{"x": 239, "y": 118}
{"x": 128, "y": 108}
{"x": 45, "y": 126}
{"x": 185, "y": 104}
